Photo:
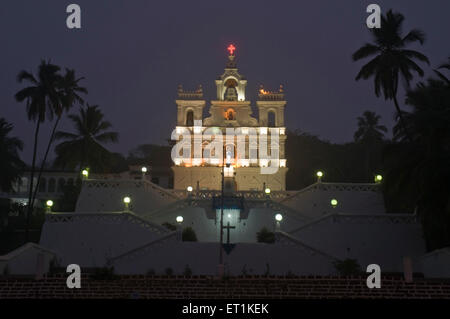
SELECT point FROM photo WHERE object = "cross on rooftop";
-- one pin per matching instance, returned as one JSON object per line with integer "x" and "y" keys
{"x": 231, "y": 48}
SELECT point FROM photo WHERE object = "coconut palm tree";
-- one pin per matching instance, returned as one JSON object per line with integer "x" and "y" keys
{"x": 68, "y": 95}
{"x": 442, "y": 76}
{"x": 84, "y": 147}
{"x": 369, "y": 128}
{"x": 42, "y": 98}
{"x": 419, "y": 172}
{"x": 370, "y": 135}
{"x": 392, "y": 60}
{"x": 10, "y": 163}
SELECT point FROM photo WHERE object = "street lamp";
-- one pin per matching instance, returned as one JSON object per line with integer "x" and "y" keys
{"x": 179, "y": 219}
{"x": 267, "y": 191}
{"x": 127, "y": 201}
{"x": 378, "y": 178}
{"x": 278, "y": 218}
{"x": 49, "y": 204}
{"x": 319, "y": 175}
{"x": 334, "y": 202}
{"x": 85, "y": 173}
{"x": 190, "y": 189}
{"x": 144, "y": 171}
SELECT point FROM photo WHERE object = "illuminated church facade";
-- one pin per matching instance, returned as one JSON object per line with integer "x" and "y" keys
{"x": 231, "y": 109}
{"x": 122, "y": 222}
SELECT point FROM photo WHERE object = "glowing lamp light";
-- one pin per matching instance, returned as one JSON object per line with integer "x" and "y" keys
{"x": 127, "y": 200}
{"x": 334, "y": 202}
{"x": 49, "y": 203}
{"x": 282, "y": 163}
{"x": 267, "y": 191}
{"x": 378, "y": 178}
{"x": 190, "y": 189}
{"x": 196, "y": 162}
{"x": 319, "y": 174}
{"x": 278, "y": 217}
{"x": 85, "y": 173}
{"x": 229, "y": 215}
{"x": 180, "y": 219}
{"x": 263, "y": 162}
{"x": 144, "y": 169}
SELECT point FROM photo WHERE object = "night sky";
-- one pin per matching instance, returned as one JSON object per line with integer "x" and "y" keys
{"x": 135, "y": 53}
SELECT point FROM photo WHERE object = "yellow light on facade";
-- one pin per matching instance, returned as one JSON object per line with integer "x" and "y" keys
{"x": 190, "y": 189}
{"x": 334, "y": 202}
{"x": 49, "y": 203}
{"x": 278, "y": 217}
{"x": 378, "y": 178}
{"x": 179, "y": 219}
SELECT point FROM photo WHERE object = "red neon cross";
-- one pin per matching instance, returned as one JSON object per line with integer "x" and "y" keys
{"x": 231, "y": 48}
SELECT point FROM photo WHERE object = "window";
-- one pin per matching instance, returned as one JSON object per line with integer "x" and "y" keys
{"x": 271, "y": 119}
{"x": 61, "y": 183}
{"x": 190, "y": 118}
{"x": 51, "y": 185}
{"x": 42, "y": 185}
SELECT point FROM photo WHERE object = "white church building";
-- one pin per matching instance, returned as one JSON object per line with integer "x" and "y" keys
{"x": 314, "y": 227}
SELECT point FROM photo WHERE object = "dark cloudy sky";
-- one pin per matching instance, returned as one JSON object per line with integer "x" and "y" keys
{"x": 134, "y": 54}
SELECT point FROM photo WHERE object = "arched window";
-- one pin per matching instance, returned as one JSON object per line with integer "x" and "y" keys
{"x": 42, "y": 185}
{"x": 61, "y": 183}
{"x": 190, "y": 118}
{"x": 51, "y": 185}
{"x": 271, "y": 119}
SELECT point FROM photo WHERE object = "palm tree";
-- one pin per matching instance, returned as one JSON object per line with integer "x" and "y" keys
{"x": 42, "y": 98}
{"x": 84, "y": 148}
{"x": 442, "y": 76}
{"x": 369, "y": 128}
{"x": 370, "y": 134}
{"x": 68, "y": 95}
{"x": 392, "y": 59}
{"x": 10, "y": 163}
{"x": 418, "y": 172}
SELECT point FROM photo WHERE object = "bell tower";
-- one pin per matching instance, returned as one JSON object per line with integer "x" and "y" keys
{"x": 231, "y": 83}
{"x": 242, "y": 157}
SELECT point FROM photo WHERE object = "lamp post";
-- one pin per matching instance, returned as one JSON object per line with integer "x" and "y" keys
{"x": 221, "y": 267}
{"x": 127, "y": 201}
{"x": 378, "y": 178}
{"x": 49, "y": 205}
{"x": 85, "y": 173}
{"x": 278, "y": 218}
{"x": 334, "y": 202}
{"x": 144, "y": 171}
{"x": 319, "y": 175}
